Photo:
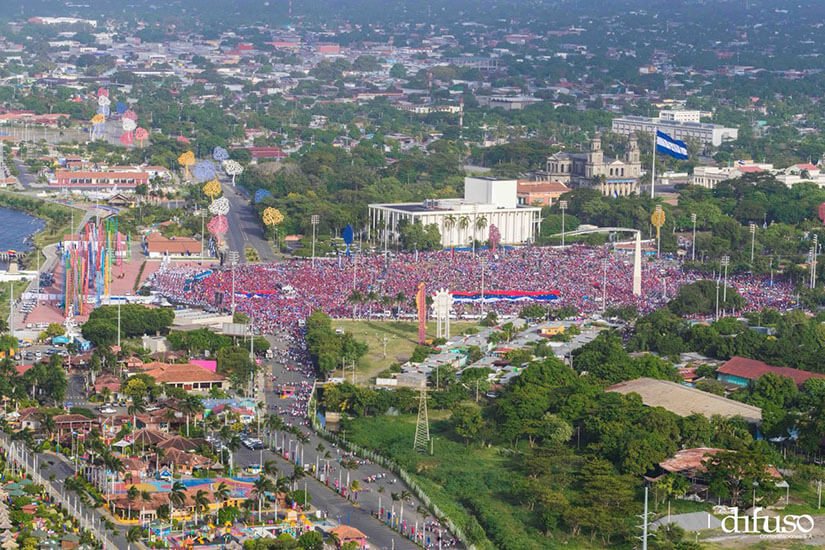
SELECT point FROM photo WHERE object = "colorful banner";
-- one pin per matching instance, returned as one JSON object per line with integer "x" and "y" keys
{"x": 506, "y": 295}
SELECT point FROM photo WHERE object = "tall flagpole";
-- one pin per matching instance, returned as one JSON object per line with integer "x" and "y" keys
{"x": 653, "y": 171}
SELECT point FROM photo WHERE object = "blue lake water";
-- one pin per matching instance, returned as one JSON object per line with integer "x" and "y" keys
{"x": 16, "y": 229}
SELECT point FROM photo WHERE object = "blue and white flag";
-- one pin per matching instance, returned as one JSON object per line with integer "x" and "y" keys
{"x": 669, "y": 146}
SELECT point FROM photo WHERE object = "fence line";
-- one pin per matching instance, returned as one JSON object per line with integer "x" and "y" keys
{"x": 19, "y": 455}
{"x": 398, "y": 470}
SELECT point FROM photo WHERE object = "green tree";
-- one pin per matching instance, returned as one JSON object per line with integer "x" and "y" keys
{"x": 311, "y": 540}
{"x": 467, "y": 421}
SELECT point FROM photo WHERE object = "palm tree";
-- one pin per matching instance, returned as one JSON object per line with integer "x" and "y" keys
{"x": 463, "y": 225}
{"x": 273, "y": 423}
{"x": 131, "y": 496}
{"x": 297, "y": 473}
{"x": 136, "y": 407}
{"x": 355, "y": 298}
{"x": 177, "y": 497}
{"x": 480, "y": 225}
{"x": 47, "y": 423}
{"x": 189, "y": 406}
{"x": 232, "y": 444}
{"x": 201, "y": 501}
{"x": 400, "y": 298}
{"x": 449, "y": 224}
{"x": 133, "y": 535}
{"x": 263, "y": 485}
{"x": 371, "y": 297}
{"x": 270, "y": 468}
{"x": 221, "y": 494}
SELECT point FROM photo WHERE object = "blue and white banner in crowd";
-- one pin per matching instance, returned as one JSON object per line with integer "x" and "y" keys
{"x": 669, "y": 146}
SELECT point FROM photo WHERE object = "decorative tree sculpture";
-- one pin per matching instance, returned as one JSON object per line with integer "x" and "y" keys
{"x": 186, "y": 160}
{"x": 233, "y": 168}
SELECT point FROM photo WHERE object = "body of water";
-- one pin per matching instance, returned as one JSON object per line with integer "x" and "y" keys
{"x": 16, "y": 230}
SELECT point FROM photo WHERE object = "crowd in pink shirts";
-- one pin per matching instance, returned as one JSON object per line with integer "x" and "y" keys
{"x": 278, "y": 295}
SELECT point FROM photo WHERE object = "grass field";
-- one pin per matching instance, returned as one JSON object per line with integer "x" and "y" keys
{"x": 400, "y": 337}
{"x": 469, "y": 484}
{"x": 4, "y": 297}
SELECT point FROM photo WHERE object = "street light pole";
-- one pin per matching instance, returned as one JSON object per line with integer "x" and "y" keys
{"x": 725, "y": 262}
{"x": 483, "y": 262}
{"x": 814, "y": 254}
{"x": 233, "y": 261}
{"x": 693, "y": 244}
{"x": 604, "y": 286}
{"x": 753, "y": 239}
{"x": 562, "y": 207}
{"x": 314, "y": 220}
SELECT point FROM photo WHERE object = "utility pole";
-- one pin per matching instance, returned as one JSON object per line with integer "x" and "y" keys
{"x": 693, "y": 244}
{"x": 314, "y": 220}
{"x": 562, "y": 207}
{"x": 118, "y": 324}
{"x": 814, "y": 254}
{"x": 604, "y": 285}
{"x": 725, "y": 263}
{"x": 483, "y": 262}
{"x": 11, "y": 308}
{"x": 644, "y": 518}
{"x": 233, "y": 261}
{"x": 753, "y": 239}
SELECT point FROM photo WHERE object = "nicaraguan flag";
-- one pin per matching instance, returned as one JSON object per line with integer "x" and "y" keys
{"x": 669, "y": 146}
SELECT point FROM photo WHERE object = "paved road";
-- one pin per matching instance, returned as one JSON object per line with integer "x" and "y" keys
{"x": 25, "y": 179}
{"x": 336, "y": 507}
{"x": 55, "y": 470}
{"x": 372, "y": 495}
{"x": 245, "y": 228}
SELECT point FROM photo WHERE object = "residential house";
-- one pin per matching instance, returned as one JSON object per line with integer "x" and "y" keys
{"x": 740, "y": 371}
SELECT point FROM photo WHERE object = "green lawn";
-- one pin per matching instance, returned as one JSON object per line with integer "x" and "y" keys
{"x": 401, "y": 339}
{"x": 466, "y": 483}
{"x": 4, "y": 297}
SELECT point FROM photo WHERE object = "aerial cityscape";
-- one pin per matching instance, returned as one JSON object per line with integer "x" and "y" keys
{"x": 350, "y": 274}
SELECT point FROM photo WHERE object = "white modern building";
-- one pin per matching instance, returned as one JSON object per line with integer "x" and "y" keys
{"x": 486, "y": 202}
{"x": 680, "y": 115}
{"x": 704, "y": 133}
{"x": 710, "y": 176}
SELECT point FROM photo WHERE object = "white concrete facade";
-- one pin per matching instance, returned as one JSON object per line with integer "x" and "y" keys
{"x": 713, "y": 134}
{"x": 680, "y": 115}
{"x": 458, "y": 222}
{"x": 486, "y": 202}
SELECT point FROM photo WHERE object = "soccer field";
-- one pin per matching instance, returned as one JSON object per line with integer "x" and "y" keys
{"x": 400, "y": 338}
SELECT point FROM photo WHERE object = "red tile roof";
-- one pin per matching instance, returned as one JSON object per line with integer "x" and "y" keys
{"x": 180, "y": 373}
{"x": 527, "y": 186}
{"x": 751, "y": 369}
{"x": 688, "y": 460}
{"x": 750, "y": 169}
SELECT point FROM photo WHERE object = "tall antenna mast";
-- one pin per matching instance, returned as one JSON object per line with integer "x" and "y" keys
{"x": 422, "y": 425}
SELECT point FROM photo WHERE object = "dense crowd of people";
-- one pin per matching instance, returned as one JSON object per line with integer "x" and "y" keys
{"x": 294, "y": 357}
{"x": 279, "y": 295}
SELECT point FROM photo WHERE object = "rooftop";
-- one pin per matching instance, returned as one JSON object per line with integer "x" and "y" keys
{"x": 751, "y": 369}
{"x": 684, "y": 401}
